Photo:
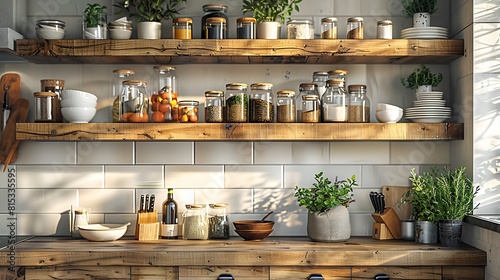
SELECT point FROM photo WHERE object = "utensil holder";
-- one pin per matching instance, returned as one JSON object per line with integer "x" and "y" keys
{"x": 147, "y": 226}
{"x": 391, "y": 221}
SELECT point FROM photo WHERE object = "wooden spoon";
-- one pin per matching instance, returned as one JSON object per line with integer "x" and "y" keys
{"x": 265, "y": 217}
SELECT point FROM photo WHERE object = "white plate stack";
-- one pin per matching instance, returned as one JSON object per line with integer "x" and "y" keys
{"x": 429, "y": 108}
{"x": 430, "y": 32}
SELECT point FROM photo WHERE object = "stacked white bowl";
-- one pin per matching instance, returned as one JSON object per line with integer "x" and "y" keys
{"x": 388, "y": 113}
{"x": 78, "y": 106}
{"x": 50, "y": 29}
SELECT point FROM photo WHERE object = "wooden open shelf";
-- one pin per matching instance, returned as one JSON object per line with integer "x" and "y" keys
{"x": 239, "y": 131}
{"x": 238, "y": 51}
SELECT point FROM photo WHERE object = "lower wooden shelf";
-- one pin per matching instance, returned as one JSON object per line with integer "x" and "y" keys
{"x": 239, "y": 131}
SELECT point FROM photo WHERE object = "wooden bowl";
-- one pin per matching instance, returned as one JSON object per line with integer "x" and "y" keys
{"x": 254, "y": 235}
{"x": 253, "y": 225}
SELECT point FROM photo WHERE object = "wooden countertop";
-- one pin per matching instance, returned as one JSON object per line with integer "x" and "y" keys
{"x": 297, "y": 251}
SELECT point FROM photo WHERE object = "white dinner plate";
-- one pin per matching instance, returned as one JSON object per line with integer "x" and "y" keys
{"x": 429, "y": 120}
{"x": 428, "y": 28}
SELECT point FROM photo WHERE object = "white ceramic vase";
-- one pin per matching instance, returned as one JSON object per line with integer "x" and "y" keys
{"x": 149, "y": 30}
{"x": 332, "y": 225}
{"x": 269, "y": 30}
{"x": 421, "y": 20}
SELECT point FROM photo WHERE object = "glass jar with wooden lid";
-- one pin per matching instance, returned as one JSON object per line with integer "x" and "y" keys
{"x": 355, "y": 28}
{"x": 182, "y": 28}
{"x": 195, "y": 225}
{"x": 134, "y": 102}
{"x": 285, "y": 106}
{"x": 309, "y": 109}
{"x": 216, "y": 28}
{"x": 214, "y": 106}
{"x": 245, "y": 28}
{"x": 261, "y": 99}
{"x": 359, "y": 104}
{"x": 119, "y": 75}
{"x": 45, "y": 107}
{"x": 236, "y": 102}
{"x": 334, "y": 103}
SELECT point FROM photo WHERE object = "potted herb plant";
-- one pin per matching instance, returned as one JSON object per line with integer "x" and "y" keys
{"x": 269, "y": 15}
{"x": 149, "y": 14}
{"x": 420, "y": 11}
{"x": 327, "y": 202}
{"x": 422, "y": 79}
{"x": 95, "y": 22}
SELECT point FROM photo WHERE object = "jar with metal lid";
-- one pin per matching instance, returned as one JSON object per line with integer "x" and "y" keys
{"x": 338, "y": 74}
{"x": 300, "y": 29}
{"x": 50, "y": 29}
{"x": 320, "y": 78}
{"x": 214, "y": 106}
{"x": 188, "y": 111}
{"x": 45, "y": 109}
{"x": 216, "y": 28}
{"x": 218, "y": 221}
{"x": 309, "y": 109}
{"x": 245, "y": 28}
{"x": 355, "y": 28}
{"x": 195, "y": 222}
{"x": 329, "y": 28}
{"x": 164, "y": 103}
{"x": 261, "y": 108}
{"x": 334, "y": 102}
{"x": 182, "y": 28}
{"x": 56, "y": 86}
{"x": 119, "y": 75}
{"x": 384, "y": 29}
{"x": 236, "y": 102}
{"x": 210, "y": 11}
{"x": 285, "y": 106}
{"x": 134, "y": 102}
{"x": 359, "y": 104}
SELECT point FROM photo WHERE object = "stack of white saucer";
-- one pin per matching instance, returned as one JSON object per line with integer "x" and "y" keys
{"x": 429, "y": 108}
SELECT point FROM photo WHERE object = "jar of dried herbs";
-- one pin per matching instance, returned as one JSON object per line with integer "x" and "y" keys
{"x": 218, "y": 221}
{"x": 236, "y": 102}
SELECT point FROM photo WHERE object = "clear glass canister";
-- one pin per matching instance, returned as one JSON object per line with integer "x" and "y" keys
{"x": 309, "y": 110}
{"x": 45, "y": 109}
{"x": 261, "y": 107}
{"x": 216, "y": 28}
{"x": 56, "y": 86}
{"x": 329, "y": 28}
{"x": 384, "y": 29}
{"x": 188, "y": 111}
{"x": 218, "y": 221}
{"x": 320, "y": 78}
{"x": 285, "y": 106}
{"x": 210, "y": 11}
{"x": 182, "y": 28}
{"x": 164, "y": 103}
{"x": 355, "y": 28}
{"x": 134, "y": 102}
{"x": 340, "y": 75}
{"x": 236, "y": 102}
{"x": 195, "y": 222}
{"x": 214, "y": 106}
{"x": 245, "y": 28}
{"x": 119, "y": 75}
{"x": 334, "y": 102}
{"x": 359, "y": 104}
{"x": 300, "y": 29}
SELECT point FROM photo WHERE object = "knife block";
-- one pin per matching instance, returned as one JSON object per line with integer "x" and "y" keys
{"x": 386, "y": 225}
{"x": 147, "y": 226}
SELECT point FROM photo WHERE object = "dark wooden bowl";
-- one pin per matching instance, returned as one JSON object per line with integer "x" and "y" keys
{"x": 254, "y": 235}
{"x": 253, "y": 225}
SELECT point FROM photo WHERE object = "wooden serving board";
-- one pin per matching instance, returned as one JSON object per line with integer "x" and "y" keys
{"x": 393, "y": 195}
{"x": 9, "y": 143}
{"x": 13, "y": 81}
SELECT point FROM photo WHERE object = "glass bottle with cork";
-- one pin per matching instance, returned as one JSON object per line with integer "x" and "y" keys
{"x": 169, "y": 227}
{"x": 359, "y": 104}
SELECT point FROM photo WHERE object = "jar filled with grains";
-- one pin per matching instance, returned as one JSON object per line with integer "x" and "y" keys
{"x": 285, "y": 106}
{"x": 309, "y": 110}
{"x": 218, "y": 221}
{"x": 216, "y": 28}
{"x": 182, "y": 28}
{"x": 300, "y": 29}
{"x": 329, "y": 29}
{"x": 210, "y": 11}
{"x": 245, "y": 28}
{"x": 359, "y": 104}
{"x": 355, "y": 28}
{"x": 320, "y": 78}
{"x": 45, "y": 106}
{"x": 261, "y": 99}
{"x": 236, "y": 102}
{"x": 195, "y": 222}
{"x": 334, "y": 102}
{"x": 214, "y": 106}
{"x": 134, "y": 102}
{"x": 340, "y": 75}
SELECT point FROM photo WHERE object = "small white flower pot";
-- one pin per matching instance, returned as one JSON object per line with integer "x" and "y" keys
{"x": 421, "y": 20}
{"x": 149, "y": 30}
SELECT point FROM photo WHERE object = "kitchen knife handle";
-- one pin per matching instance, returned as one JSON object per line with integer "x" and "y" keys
{"x": 141, "y": 209}
{"x": 146, "y": 203}
{"x": 151, "y": 206}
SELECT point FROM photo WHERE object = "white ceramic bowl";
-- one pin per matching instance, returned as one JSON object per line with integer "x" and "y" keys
{"x": 78, "y": 114}
{"x": 103, "y": 232}
{"x": 389, "y": 116}
{"x": 47, "y": 33}
{"x": 69, "y": 93}
{"x": 78, "y": 102}
{"x": 386, "y": 106}
{"x": 119, "y": 34}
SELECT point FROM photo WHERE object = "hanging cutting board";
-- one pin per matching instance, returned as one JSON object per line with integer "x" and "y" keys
{"x": 13, "y": 82}
{"x": 393, "y": 195}
{"x": 9, "y": 143}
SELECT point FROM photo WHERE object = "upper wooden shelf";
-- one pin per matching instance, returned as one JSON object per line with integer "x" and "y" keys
{"x": 238, "y": 51}
{"x": 238, "y": 131}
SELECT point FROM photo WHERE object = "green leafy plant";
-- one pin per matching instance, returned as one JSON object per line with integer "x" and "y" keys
{"x": 411, "y": 7}
{"x": 149, "y": 10}
{"x": 422, "y": 196}
{"x": 422, "y": 76}
{"x": 271, "y": 10}
{"x": 92, "y": 14}
{"x": 325, "y": 195}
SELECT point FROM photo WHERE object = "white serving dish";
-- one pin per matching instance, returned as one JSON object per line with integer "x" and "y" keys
{"x": 389, "y": 116}
{"x": 78, "y": 114}
{"x": 103, "y": 232}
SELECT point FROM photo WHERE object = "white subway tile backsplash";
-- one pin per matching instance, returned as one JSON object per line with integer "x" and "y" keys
{"x": 164, "y": 152}
{"x": 43, "y": 224}
{"x": 194, "y": 176}
{"x": 38, "y": 152}
{"x": 278, "y": 201}
{"x": 59, "y": 176}
{"x": 105, "y": 152}
{"x": 310, "y": 153}
{"x": 361, "y": 224}
{"x": 223, "y": 153}
{"x": 107, "y": 200}
{"x": 273, "y": 152}
{"x": 359, "y": 152}
{"x": 303, "y": 175}
{"x": 123, "y": 219}
{"x": 256, "y": 176}
{"x": 239, "y": 200}
{"x": 387, "y": 175}
{"x": 45, "y": 200}
{"x": 362, "y": 203}
{"x": 420, "y": 152}
{"x": 135, "y": 176}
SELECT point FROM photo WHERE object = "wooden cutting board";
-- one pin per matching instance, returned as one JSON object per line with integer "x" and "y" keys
{"x": 9, "y": 143}
{"x": 393, "y": 195}
{"x": 13, "y": 82}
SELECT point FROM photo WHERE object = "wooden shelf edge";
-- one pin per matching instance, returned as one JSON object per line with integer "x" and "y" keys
{"x": 239, "y": 131}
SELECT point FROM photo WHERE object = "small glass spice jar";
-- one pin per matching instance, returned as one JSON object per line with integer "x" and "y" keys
{"x": 309, "y": 109}
{"x": 261, "y": 107}
{"x": 218, "y": 221}
{"x": 213, "y": 10}
{"x": 329, "y": 28}
{"x": 216, "y": 28}
{"x": 355, "y": 28}
{"x": 214, "y": 106}
{"x": 300, "y": 29}
{"x": 334, "y": 102}
{"x": 245, "y": 28}
{"x": 384, "y": 29}
{"x": 45, "y": 109}
{"x": 236, "y": 102}
{"x": 285, "y": 106}
{"x": 182, "y": 28}
{"x": 134, "y": 102}
{"x": 119, "y": 75}
{"x": 359, "y": 104}
{"x": 195, "y": 225}
{"x": 320, "y": 78}
{"x": 188, "y": 111}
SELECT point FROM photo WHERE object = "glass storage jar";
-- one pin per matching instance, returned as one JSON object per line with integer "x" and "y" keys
{"x": 245, "y": 28}
{"x": 359, "y": 104}
{"x": 300, "y": 29}
{"x": 355, "y": 28}
{"x": 195, "y": 222}
{"x": 214, "y": 106}
{"x": 56, "y": 86}
{"x": 119, "y": 75}
{"x": 261, "y": 107}
{"x": 45, "y": 109}
{"x": 334, "y": 102}
{"x": 384, "y": 29}
{"x": 236, "y": 102}
{"x": 338, "y": 74}
{"x": 329, "y": 28}
{"x": 134, "y": 102}
{"x": 188, "y": 111}
{"x": 320, "y": 78}
{"x": 307, "y": 89}
{"x": 285, "y": 106}
{"x": 182, "y": 28}
{"x": 216, "y": 28}
{"x": 210, "y": 11}
{"x": 309, "y": 110}
{"x": 164, "y": 103}
{"x": 218, "y": 221}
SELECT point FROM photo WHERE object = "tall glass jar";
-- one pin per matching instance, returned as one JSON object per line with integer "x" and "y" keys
{"x": 182, "y": 28}
{"x": 338, "y": 74}
{"x": 119, "y": 75}
{"x": 320, "y": 78}
{"x": 195, "y": 222}
{"x": 355, "y": 28}
{"x": 216, "y": 28}
{"x": 309, "y": 110}
{"x": 210, "y": 11}
{"x": 359, "y": 104}
{"x": 45, "y": 109}
{"x": 134, "y": 102}
{"x": 285, "y": 106}
{"x": 236, "y": 102}
{"x": 334, "y": 102}
{"x": 214, "y": 106}
{"x": 329, "y": 29}
{"x": 218, "y": 221}
{"x": 245, "y": 28}
{"x": 55, "y": 86}
{"x": 164, "y": 103}
{"x": 261, "y": 107}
